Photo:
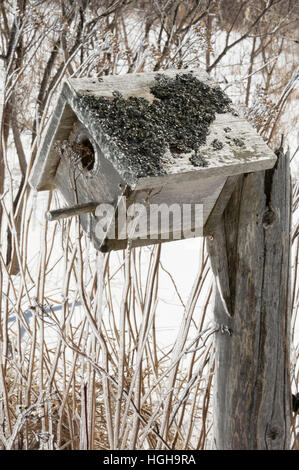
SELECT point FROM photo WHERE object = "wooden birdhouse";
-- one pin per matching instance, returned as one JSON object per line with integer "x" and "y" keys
{"x": 146, "y": 140}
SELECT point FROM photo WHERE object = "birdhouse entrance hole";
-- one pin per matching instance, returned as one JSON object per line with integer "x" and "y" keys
{"x": 88, "y": 154}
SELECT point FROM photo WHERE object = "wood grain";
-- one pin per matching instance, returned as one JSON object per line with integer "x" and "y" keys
{"x": 250, "y": 250}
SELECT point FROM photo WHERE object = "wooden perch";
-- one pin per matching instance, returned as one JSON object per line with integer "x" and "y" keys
{"x": 71, "y": 211}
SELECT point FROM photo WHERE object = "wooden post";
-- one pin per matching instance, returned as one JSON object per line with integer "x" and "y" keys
{"x": 250, "y": 256}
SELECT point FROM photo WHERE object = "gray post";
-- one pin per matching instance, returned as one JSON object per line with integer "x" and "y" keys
{"x": 250, "y": 257}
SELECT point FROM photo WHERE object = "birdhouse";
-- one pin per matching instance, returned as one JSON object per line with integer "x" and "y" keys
{"x": 136, "y": 156}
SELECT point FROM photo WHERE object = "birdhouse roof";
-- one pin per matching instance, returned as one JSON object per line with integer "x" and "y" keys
{"x": 175, "y": 124}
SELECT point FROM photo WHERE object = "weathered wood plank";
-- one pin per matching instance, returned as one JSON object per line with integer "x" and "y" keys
{"x": 250, "y": 251}
{"x": 204, "y": 192}
{"x": 59, "y": 128}
{"x": 220, "y": 204}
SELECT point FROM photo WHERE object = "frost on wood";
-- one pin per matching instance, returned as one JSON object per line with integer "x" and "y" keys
{"x": 250, "y": 257}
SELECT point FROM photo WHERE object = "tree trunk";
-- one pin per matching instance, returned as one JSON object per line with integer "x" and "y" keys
{"x": 250, "y": 257}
